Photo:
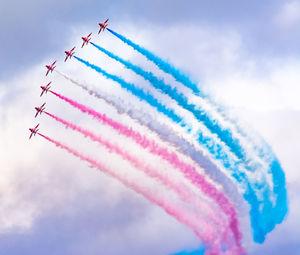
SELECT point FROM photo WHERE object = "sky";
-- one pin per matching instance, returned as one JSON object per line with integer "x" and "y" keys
{"x": 244, "y": 54}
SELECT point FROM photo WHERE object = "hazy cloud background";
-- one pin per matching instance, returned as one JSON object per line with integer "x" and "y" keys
{"x": 245, "y": 54}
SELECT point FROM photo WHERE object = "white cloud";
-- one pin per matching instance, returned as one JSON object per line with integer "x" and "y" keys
{"x": 278, "y": 88}
{"x": 35, "y": 172}
{"x": 289, "y": 15}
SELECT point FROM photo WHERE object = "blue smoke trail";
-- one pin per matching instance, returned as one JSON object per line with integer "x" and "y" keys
{"x": 209, "y": 143}
{"x": 163, "y": 65}
{"x": 198, "y": 251}
{"x": 224, "y": 134}
{"x": 257, "y": 222}
{"x": 215, "y": 149}
{"x": 277, "y": 173}
{"x": 137, "y": 92}
{"x": 279, "y": 183}
{"x": 180, "y": 77}
{"x": 158, "y": 83}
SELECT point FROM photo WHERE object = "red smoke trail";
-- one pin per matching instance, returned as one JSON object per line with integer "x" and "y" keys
{"x": 183, "y": 191}
{"x": 165, "y": 133}
{"x": 170, "y": 208}
{"x": 189, "y": 171}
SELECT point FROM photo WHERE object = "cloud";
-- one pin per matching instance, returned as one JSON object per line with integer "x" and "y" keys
{"x": 289, "y": 15}
{"x": 41, "y": 186}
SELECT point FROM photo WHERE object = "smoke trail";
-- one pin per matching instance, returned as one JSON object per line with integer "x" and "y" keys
{"x": 279, "y": 188}
{"x": 177, "y": 74}
{"x": 224, "y": 134}
{"x": 260, "y": 225}
{"x": 277, "y": 173}
{"x": 168, "y": 135}
{"x": 145, "y": 119}
{"x": 166, "y": 67}
{"x": 170, "y": 208}
{"x": 199, "y": 251}
{"x": 187, "y": 170}
{"x": 183, "y": 191}
{"x": 135, "y": 91}
{"x": 217, "y": 151}
{"x": 164, "y": 132}
{"x": 107, "y": 98}
{"x": 163, "y": 65}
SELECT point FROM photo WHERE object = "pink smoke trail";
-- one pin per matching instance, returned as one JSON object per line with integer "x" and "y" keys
{"x": 183, "y": 191}
{"x": 170, "y": 208}
{"x": 188, "y": 171}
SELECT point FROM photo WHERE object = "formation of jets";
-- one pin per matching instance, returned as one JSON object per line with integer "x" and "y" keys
{"x": 50, "y": 68}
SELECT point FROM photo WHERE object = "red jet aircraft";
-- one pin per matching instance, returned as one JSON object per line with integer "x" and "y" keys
{"x": 33, "y": 130}
{"x": 102, "y": 26}
{"x": 69, "y": 54}
{"x": 45, "y": 89}
{"x": 39, "y": 110}
{"x": 50, "y": 67}
{"x": 86, "y": 40}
